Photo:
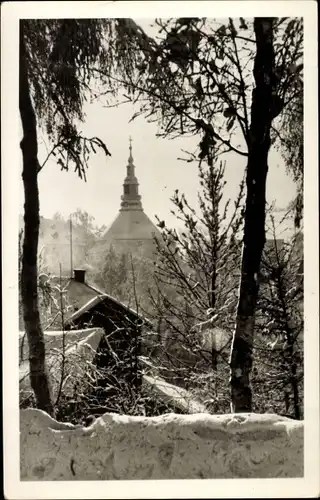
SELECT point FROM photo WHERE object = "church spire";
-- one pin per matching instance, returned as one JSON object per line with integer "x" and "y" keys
{"x": 130, "y": 200}
{"x": 130, "y": 149}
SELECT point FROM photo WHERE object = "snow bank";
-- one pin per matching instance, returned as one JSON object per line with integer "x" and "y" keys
{"x": 166, "y": 447}
{"x": 79, "y": 348}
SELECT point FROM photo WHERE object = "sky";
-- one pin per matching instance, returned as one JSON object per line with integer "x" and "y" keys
{"x": 158, "y": 170}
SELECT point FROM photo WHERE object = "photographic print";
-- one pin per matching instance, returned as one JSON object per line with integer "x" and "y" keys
{"x": 160, "y": 273}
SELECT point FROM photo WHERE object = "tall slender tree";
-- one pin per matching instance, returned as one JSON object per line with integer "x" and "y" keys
{"x": 57, "y": 58}
{"x": 254, "y": 226}
{"x": 29, "y": 282}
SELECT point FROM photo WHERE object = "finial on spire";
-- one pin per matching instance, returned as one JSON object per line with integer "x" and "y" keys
{"x": 130, "y": 147}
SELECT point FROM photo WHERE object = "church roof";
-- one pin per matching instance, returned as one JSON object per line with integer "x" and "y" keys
{"x": 131, "y": 225}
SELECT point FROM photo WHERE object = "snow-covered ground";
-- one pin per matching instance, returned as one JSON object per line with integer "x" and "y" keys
{"x": 166, "y": 447}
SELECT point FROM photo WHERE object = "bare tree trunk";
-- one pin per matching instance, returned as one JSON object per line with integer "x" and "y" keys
{"x": 262, "y": 112}
{"x": 29, "y": 277}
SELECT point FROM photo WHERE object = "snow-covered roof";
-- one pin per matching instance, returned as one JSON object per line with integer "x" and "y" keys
{"x": 101, "y": 298}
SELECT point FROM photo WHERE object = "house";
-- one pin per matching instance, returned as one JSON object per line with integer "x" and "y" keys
{"x": 90, "y": 307}
{"x": 67, "y": 302}
{"x": 116, "y": 357}
{"x": 73, "y": 301}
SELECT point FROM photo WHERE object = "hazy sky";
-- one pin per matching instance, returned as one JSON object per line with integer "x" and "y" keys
{"x": 158, "y": 170}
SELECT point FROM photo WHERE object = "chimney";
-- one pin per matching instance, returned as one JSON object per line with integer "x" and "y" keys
{"x": 79, "y": 275}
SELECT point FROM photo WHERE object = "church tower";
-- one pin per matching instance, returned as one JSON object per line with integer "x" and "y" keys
{"x": 131, "y": 200}
{"x": 132, "y": 231}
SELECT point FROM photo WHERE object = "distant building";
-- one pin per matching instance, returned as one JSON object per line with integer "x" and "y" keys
{"x": 56, "y": 240}
{"x": 132, "y": 231}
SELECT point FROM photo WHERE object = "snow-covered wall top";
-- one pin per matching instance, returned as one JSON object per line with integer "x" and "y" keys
{"x": 166, "y": 447}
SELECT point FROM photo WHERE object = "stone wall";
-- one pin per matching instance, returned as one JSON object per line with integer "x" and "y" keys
{"x": 167, "y": 447}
